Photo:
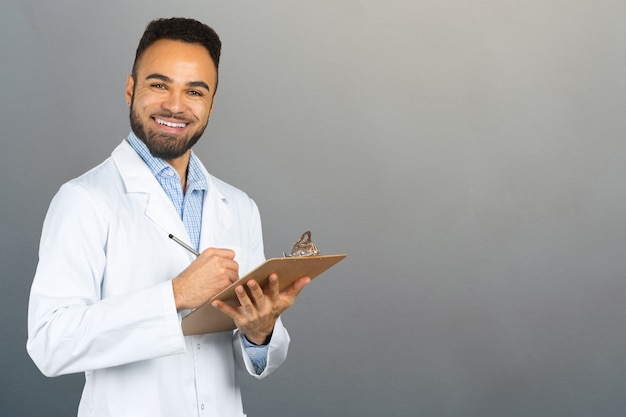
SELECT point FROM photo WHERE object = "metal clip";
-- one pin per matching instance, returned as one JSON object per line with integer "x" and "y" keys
{"x": 303, "y": 247}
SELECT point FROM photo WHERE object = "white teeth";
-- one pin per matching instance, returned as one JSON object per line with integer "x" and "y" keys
{"x": 170, "y": 124}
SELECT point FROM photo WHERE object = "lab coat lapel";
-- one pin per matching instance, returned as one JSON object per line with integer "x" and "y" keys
{"x": 138, "y": 178}
{"x": 217, "y": 217}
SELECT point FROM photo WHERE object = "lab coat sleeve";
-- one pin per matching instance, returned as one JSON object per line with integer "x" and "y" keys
{"x": 70, "y": 328}
{"x": 276, "y": 355}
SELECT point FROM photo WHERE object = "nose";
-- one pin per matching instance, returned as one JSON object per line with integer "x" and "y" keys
{"x": 174, "y": 102}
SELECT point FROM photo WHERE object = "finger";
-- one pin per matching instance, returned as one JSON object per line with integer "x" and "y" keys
{"x": 231, "y": 265}
{"x": 273, "y": 287}
{"x": 243, "y": 297}
{"x": 301, "y": 283}
{"x": 294, "y": 289}
{"x": 230, "y": 311}
{"x": 227, "y": 266}
{"x": 221, "y": 252}
{"x": 255, "y": 291}
{"x": 233, "y": 276}
{"x": 214, "y": 258}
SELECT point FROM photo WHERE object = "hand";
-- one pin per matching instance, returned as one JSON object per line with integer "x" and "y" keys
{"x": 259, "y": 311}
{"x": 214, "y": 270}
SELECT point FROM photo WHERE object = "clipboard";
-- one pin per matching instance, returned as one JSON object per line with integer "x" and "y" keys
{"x": 208, "y": 319}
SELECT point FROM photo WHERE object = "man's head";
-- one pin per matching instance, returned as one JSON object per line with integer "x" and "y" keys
{"x": 180, "y": 29}
{"x": 173, "y": 84}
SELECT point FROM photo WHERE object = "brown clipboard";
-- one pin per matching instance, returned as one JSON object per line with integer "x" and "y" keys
{"x": 208, "y": 319}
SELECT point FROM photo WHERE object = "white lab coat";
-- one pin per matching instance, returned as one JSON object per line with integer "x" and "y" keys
{"x": 102, "y": 301}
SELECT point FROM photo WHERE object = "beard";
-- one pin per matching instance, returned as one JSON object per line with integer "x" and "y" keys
{"x": 164, "y": 145}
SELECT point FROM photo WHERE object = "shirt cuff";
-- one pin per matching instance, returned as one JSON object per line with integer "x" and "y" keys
{"x": 256, "y": 353}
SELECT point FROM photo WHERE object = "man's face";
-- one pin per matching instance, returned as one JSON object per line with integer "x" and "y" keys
{"x": 171, "y": 98}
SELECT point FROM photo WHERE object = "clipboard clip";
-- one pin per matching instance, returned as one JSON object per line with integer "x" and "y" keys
{"x": 303, "y": 247}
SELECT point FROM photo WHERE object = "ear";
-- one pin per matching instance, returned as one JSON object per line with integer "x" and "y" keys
{"x": 130, "y": 85}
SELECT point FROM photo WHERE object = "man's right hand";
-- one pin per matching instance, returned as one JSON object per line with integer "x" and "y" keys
{"x": 214, "y": 270}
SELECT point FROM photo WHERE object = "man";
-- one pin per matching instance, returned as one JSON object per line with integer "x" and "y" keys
{"x": 111, "y": 287}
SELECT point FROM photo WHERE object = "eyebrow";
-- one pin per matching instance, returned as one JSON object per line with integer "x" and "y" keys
{"x": 165, "y": 78}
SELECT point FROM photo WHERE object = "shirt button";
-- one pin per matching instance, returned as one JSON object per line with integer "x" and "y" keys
{"x": 198, "y": 346}
{"x": 201, "y": 406}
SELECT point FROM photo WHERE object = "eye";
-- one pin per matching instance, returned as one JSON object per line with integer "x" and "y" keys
{"x": 195, "y": 93}
{"x": 158, "y": 86}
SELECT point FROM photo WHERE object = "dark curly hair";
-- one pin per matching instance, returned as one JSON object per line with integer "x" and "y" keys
{"x": 180, "y": 29}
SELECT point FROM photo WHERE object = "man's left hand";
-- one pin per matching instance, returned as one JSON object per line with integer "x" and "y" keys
{"x": 258, "y": 312}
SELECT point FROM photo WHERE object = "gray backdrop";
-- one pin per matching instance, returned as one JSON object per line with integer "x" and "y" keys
{"x": 468, "y": 156}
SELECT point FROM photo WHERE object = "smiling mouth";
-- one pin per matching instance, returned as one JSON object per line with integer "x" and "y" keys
{"x": 162, "y": 122}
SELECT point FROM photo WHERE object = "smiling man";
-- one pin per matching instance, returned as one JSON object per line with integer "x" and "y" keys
{"x": 111, "y": 288}
{"x": 169, "y": 115}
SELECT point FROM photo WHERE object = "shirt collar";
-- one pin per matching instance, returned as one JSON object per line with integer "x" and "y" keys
{"x": 195, "y": 177}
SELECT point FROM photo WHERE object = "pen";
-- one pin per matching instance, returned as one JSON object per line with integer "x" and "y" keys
{"x": 184, "y": 245}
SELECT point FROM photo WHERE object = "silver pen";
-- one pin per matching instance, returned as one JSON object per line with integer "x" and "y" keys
{"x": 184, "y": 245}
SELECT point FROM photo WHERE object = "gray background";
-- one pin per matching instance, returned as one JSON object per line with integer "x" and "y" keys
{"x": 468, "y": 156}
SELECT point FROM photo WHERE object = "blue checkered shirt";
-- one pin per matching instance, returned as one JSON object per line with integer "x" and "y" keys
{"x": 189, "y": 208}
